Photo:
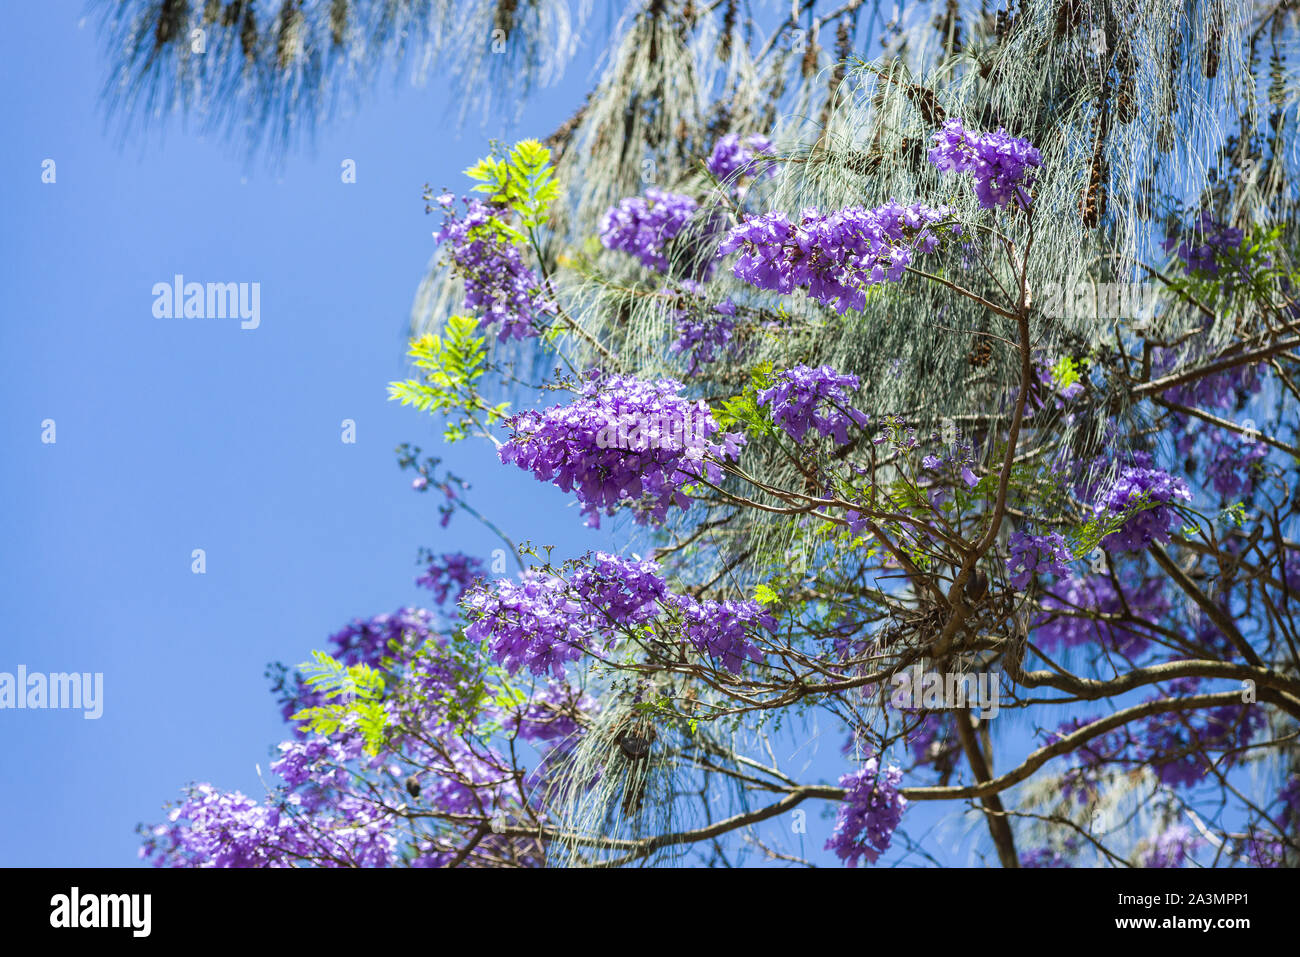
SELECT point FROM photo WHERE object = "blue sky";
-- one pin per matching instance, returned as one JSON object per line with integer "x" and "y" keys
{"x": 179, "y": 434}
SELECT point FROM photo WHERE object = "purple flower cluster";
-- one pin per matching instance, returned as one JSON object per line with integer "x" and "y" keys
{"x": 456, "y": 778}
{"x": 226, "y": 829}
{"x": 1231, "y": 467}
{"x": 434, "y": 682}
{"x": 1220, "y": 391}
{"x": 1178, "y": 746}
{"x": 623, "y": 441}
{"x": 720, "y": 629}
{"x": 370, "y": 641}
{"x": 805, "y": 398}
{"x": 450, "y": 570}
{"x": 627, "y": 591}
{"x": 551, "y": 715}
{"x": 1209, "y": 239}
{"x": 734, "y": 155}
{"x": 835, "y": 256}
{"x": 533, "y": 623}
{"x": 643, "y": 226}
{"x": 703, "y": 335}
{"x": 499, "y": 286}
{"x": 317, "y": 765}
{"x": 959, "y": 457}
{"x": 999, "y": 163}
{"x": 872, "y": 808}
{"x": 1097, "y": 593}
{"x": 1043, "y": 857}
{"x": 1172, "y": 847}
{"x": 1262, "y": 851}
{"x": 1152, "y": 490}
{"x": 1034, "y": 554}
{"x": 542, "y": 621}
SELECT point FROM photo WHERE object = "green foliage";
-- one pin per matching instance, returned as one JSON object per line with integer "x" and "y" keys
{"x": 743, "y": 410}
{"x": 1065, "y": 373}
{"x": 523, "y": 181}
{"x": 336, "y": 680}
{"x": 904, "y": 496}
{"x": 360, "y": 690}
{"x": 1246, "y": 275}
{"x": 1234, "y": 513}
{"x": 453, "y": 364}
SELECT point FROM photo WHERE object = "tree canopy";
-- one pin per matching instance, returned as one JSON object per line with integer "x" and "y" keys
{"x": 940, "y": 365}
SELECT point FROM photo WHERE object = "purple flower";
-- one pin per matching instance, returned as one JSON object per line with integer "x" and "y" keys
{"x": 321, "y": 762}
{"x": 628, "y": 591}
{"x": 835, "y": 256}
{"x": 702, "y": 334}
{"x": 455, "y": 569}
{"x": 1042, "y": 857}
{"x": 805, "y": 398}
{"x": 872, "y": 809}
{"x": 1096, "y": 593}
{"x": 1031, "y": 554}
{"x": 623, "y": 442}
{"x": 1222, "y": 390}
{"x": 533, "y": 623}
{"x": 226, "y": 829}
{"x": 551, "y": 715}
{"x": 1179, "y": 746}
{"x": 735, "y": 156}
{"x": 1171, "y": 848}
{"x": 643, "y": 226}
{"x": 370, "y": 641}
{"x": 998, "y": 163}
{"x": 542, "y": 622}
{"x": 1151, "y": 491}
{"x": 1262, "y": 851}
{"x": 1209, "y": 240}
{"x": 499, "y": 287}
{"x": 1232, "y": 466}
{"x": 720, "y": 629}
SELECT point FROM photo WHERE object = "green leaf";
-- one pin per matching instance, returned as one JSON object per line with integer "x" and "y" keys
{"x": 452, "y": 364}
{"x": 1065, "y": 373}
{"x": 336, "y": 680}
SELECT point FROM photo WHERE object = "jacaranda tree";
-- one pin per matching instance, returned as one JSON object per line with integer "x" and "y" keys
{"x": 947, "y": 398}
